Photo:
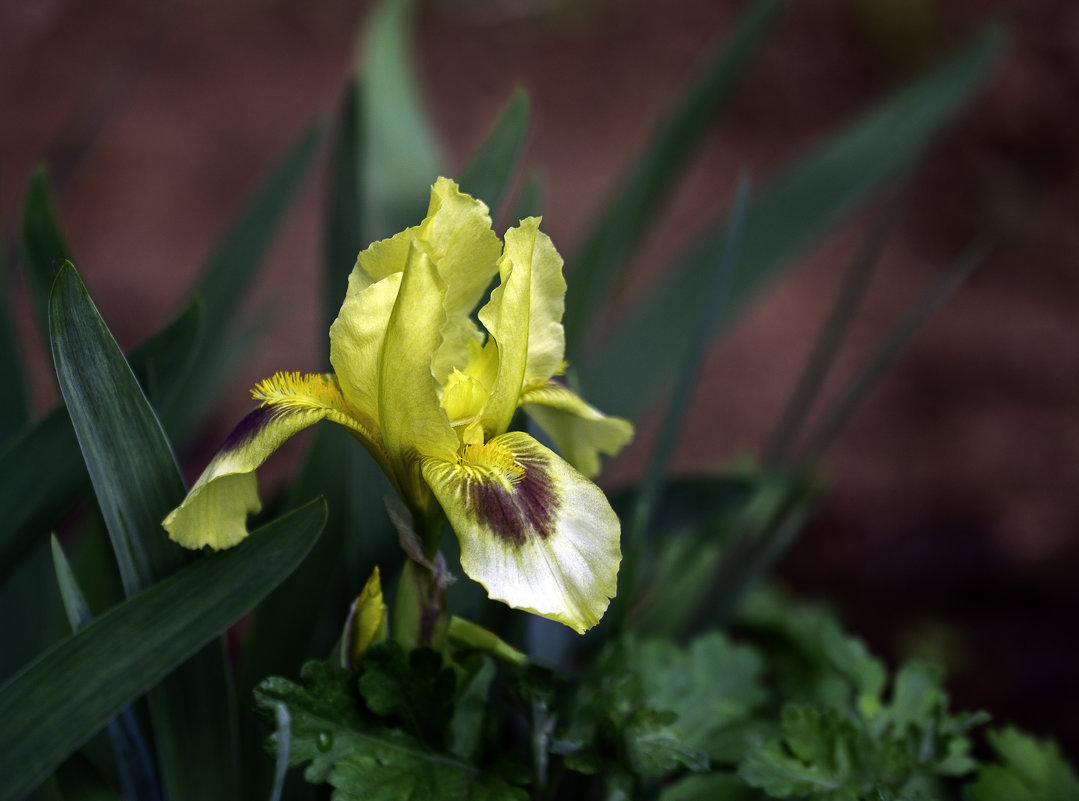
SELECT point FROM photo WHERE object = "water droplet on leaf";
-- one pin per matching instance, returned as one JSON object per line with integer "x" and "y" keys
{"x": 324, "y": 742}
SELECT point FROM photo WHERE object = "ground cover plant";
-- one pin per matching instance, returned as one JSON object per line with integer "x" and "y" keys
{"x": 444, "y": 603}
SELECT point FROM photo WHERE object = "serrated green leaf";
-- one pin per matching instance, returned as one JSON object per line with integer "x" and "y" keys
{"x": 137, "y": 483}
{"x": 710, "y": 787}
{"x": 1029, "y": 769}
{"x": 415, "y": 689}
{"x": 57, "y": 703}
{"x": 401, "y": 158}
{"x": 623, "y": 375}
{"x": 488, "y": 174}
{"x": 712, "y": 686}
{"x": 42, "y": 249}
{"x": 362, "y": 758}
{"x": 636, "y": 203}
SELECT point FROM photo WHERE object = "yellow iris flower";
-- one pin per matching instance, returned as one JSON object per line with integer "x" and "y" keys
{"x": 431, "y": 396}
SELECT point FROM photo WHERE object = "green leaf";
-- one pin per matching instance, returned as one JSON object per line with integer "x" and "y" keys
{"x": 624, "y": 375}
{"x": 343, "y": 236}
{"x": 42, "y": 475}
{"x": 226, "y": 278}
{"x": 42, "y": 249}
{"x": 57, "y": 703}
{"x": 133, "y": 761}
{"x": 1029, "y": 769}
{"x": 710, "y": 787}
{"x": 137, "y": 483}
{"x": 78, "y": 611}
{"x": 361, "y": 758}
{"x": 712, "y": 686}
{"x": 489, "y": 174}
{"x": 400, "y": 154}
{"x": 416, "y": 689}
{"x": 635, "y": 205}
{"x": 131, "y": 466}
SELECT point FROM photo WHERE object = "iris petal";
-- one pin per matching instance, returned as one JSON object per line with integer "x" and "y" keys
{"x": 535, "y": 532}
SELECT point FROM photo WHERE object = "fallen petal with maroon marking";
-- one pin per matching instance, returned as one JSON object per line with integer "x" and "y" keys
{"x": 536, "y": 533}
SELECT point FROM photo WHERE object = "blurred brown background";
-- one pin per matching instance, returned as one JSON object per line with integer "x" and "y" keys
{"x": 951, "y": 528}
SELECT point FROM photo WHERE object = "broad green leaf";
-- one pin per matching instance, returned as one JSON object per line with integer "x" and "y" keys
{"x": 1028, "y": 769}
{"x": 711, "y": 786}
{"x": 42, "y": 475}
{"x": 530, "y": 201}
{"x": 624, "y": 374}
{"x": 58, "y": 702}
{"x": 131, "y": 466}
{"x": 636, "y": 203}
{"x": 489, "y": 174}
{"x": 42, "y": 249}
{"x": 133, "y": 761}
{"x": 13, "y": 402}
{"x": 400, "y": 154}
{"x": 137, "y": 483}
{"x": 361, "y": 758}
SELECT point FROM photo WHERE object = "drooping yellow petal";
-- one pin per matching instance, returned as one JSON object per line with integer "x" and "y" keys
{"x": 413, "y": 422}
{"x": 535, "y": 532}
{"x": 579, "y": 431}
{"x": 215, "y": 511}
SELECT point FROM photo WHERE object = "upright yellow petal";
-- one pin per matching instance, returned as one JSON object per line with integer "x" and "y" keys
{"x": 215, "y": 511}
{"x": 457, "y": 235}
{"x": 412, "y": 420}
{"x": 535, "y": 532}
{"x": 506, "y": 318}
{"x": 356, "y": 338}
{"x": 547, "y": 302}
{"x": 579, "y": 431}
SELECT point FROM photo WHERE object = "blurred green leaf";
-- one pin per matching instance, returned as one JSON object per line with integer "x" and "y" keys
{"x": 227, "y": 276}
{"x": 137, "y": 483}
{"x": 624, "y": 375}
{"x": 836, "y": 417}
{"x": 58, "y": 702}
{"x": 400, "y": 154}
{"x": 13, "y": 401}
{"x": 343, "y": 237}
{"x": 1030, "y": 769}
{"x": 42, "y": 249}
{"x": 42, "y": 474}
{"x": 78, "y": 611}
{"x": 707, "y": 312}
{"x": 489, "y": 174}
{"x": 530, "y": 201}
{"x": 641, "y": 195}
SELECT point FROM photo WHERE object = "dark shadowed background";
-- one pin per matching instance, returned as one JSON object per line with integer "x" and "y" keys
{"x": 951, "y": 525}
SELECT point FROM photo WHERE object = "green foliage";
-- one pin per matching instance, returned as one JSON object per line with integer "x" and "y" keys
{"x": 347, "y": 744}
{"x": 1028, "y": 769}
{"x": 868, "y": 747}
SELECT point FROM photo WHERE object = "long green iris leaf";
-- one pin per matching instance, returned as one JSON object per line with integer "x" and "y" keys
{"x": 624, "y": 375}
{"x": 635, "y": 205}
{"x": 56, "y": 704}
{"x": 137, "y": 483}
